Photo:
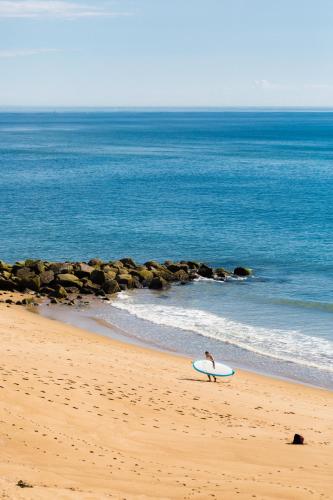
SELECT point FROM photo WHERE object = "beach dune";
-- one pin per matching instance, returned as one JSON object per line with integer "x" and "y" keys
{"x": 86, "y": 417}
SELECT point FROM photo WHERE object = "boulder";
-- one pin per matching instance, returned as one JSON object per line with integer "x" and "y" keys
{"x": 158, "y": 283}
{"x": 24, "y": 273}
{"x": 205, "y": 271}
{"x": 111, "y": 286}
{"x": 95, "y": 262}
{"x": 153, "y": 264}
{"x": 46, "y": 277}
{"x": 242, "y": 271}
{"x": 32, "y": 283}
{"x": 220, "y": 273}
{"x": 117, "y": 264}
{"x": 35, "y": 265}
{"x": 7, "y": 284}
{"x": 72, "y": 289}
{"x": 5, "y": 267}
{"x": 298, "y": 439}
{"x": 98, "y": 276}
{"x": 128, "y": 262}
{"x": 174, "y": 268}
{"x": 181, "y": 275}
{"x": 84, "y": 270}
{"x": 61, "y": 267}
{"x": 144, "y": 275}
{"x": 125, "y": 279}
{"x": 68, "y": 280}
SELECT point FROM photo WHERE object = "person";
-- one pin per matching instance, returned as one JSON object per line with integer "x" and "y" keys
{"x": 210, "y": 358}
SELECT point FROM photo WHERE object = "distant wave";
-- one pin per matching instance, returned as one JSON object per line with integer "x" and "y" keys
{"x": 308, "y": 304}
{"x": 287, "y": 345}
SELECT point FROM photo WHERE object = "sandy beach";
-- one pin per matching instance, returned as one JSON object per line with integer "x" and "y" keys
{"x": 86, "y": 417}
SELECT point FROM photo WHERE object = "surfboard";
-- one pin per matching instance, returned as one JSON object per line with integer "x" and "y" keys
{"x": 206, "y": 366}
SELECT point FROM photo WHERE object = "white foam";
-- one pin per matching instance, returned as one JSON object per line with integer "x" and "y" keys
{"x": 288, "y": 345}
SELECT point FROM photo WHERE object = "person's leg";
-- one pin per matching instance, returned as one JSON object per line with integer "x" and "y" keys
{"x": 214, "y": 378}
{"x": 209, "y": 380}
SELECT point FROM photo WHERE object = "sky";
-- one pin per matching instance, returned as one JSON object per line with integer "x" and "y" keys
{"x": 174, "y": 53}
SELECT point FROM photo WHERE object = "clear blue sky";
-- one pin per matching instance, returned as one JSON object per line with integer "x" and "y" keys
{"x": 166, "y": 53}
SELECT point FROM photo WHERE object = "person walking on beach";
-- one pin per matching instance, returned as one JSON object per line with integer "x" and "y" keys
{"x": 210, "y": 358}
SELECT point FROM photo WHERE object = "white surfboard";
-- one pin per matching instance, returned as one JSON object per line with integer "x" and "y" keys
{"x": 206, "y": 366}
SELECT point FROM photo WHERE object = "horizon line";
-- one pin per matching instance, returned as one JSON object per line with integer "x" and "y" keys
{"x": 82, "y": 108}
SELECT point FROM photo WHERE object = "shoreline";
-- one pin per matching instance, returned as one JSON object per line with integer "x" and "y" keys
{"x": 82, "y": 416}
{"x": 99, "y": 326}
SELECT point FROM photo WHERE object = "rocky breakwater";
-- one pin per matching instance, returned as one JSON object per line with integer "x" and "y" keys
{"x": 66, "y": 281}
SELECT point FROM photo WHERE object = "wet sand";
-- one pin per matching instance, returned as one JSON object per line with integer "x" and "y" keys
{"x": 83, "y": 416}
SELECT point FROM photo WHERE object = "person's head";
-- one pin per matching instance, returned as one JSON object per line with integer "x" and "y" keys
{"x": 206, "y": 352}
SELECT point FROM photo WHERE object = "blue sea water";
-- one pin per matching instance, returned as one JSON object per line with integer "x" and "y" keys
{"x": 227, "y": 188}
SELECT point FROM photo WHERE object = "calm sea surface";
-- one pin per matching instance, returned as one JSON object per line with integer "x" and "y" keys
{"x": 228, "y": 188}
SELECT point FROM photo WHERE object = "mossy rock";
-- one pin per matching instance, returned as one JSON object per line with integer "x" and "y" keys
{"x": 68, "y": 280}
{"x": 111, "y": 286}
{"x": 145, "y": 275}
{"x": 128, "y": 262}
{"x": 5, "y": 267}
{"x": 32, "y": 283}
{"x": 125, "y": 279}
{"x": 181, "y": 275}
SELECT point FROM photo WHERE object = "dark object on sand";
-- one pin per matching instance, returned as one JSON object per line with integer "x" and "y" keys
{"x": 298, "y": 439}
{"x": 23, "y": 484}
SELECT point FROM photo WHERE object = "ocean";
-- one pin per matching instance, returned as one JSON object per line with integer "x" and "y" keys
{"x": 227, "y": 188}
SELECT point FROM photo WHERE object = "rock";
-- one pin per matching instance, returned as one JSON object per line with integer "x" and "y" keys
{"x": 181, "y": 275}
{"x": 111, "y": 286}
{"x": 125, "y": 279}
{"x": 174, "y": 268}
{"x": 54, "y": 300}
{"x": 72, "y": 289}
{"x": 220, "y": 273}
{"x": 100, "y": 293}
{"x": 23, "y": 484}
{"x": 193, "y": 265}
{"x": 117, "y": 264}
{"x": 205, "y": 271}
{"x": 99, "y": 277}
{"x": 36, "y": 265}
{"x": 32, "y": 283}
{"x": 61, "y": 267}
{"x": 27, "y": 301}
{"x": 46, "y": 277}
{"x": 69, "y": 280}
{"x": 128, "y": 262}
{"x": 298, "y": 439}
{"x": 59, "y": 292}
{"x": 144, "y": 275}
{"x": 242, "y": 271}
{"x": 84, "y": 270}
{"x": 5, "y": 267}
{"x": 24, "y": 273}
{"x": 158, "y": 283}
{"x": 153, "y": 264}
{"x": 95, "y": 262}
{"x": 7, "y": 284}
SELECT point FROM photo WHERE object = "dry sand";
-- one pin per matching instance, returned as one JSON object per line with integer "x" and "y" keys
{"x": 85, "y": 417}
